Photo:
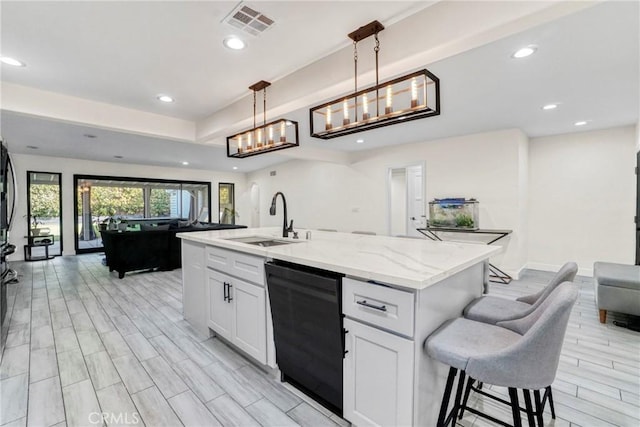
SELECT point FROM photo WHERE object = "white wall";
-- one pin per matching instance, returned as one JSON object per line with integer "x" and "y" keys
{"x": 69, "y": 167}
{"x": 486, "y": 166}
{"x": 582, "y": 199}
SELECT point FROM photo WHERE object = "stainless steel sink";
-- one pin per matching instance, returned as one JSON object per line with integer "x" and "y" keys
{"x": 260, "y": 241}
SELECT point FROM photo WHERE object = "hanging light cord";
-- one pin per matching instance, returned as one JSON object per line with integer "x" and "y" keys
{"x": 254, "y": 109}
{"x": 355, "y": 72}
{"x": 376, "y": 49}
{"x": 264, "y": 106}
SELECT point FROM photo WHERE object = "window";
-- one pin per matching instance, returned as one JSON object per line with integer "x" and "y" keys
{"x": 226, "y": 203}
{"x": 126, "y": 203}
{"x": 44, "y": 210}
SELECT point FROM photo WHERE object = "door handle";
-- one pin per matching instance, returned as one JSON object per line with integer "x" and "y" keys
{"x": 229, "y": 297}
{"x": 375, "y": 307}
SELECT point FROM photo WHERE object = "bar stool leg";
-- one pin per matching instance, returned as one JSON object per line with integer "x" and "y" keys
{"x": 539, "y": 407}
{"x": 446, "y": 396}
{"x": 528, "y": 408}
{"x": 550, "y": 395}
{"x": 467, "y": 391}
{"x": 515, "y": 407}
{"x": 456, "y": 404}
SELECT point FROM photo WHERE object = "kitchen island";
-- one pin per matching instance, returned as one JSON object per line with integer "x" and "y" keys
{"x": 395, "y": 292}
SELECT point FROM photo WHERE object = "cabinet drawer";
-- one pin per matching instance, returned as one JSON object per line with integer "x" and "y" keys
{"x": 388, "y": 308}
{"x": 236, "y": 264}
{"x": 219, "y": 259}
{"x": 248, "y": 267}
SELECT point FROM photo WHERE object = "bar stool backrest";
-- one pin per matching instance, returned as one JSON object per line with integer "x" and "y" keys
{"x": 566, "y": 274}
{"x": 532, "y": 362}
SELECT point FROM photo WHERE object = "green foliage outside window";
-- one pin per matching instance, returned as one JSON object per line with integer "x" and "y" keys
{"x": 114, "y": 201}
{"x": 45, "y": 200}
{"x": 160, "y": 202}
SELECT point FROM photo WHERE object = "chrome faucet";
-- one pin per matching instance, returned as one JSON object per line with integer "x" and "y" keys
{"x": 272, "y": 212}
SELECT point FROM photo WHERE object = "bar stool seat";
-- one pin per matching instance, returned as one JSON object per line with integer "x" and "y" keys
{"x": 453, "y": 344}
{"x": 491, "y": 310}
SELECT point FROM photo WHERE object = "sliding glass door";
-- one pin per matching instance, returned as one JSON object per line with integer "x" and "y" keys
{"x": 103, "y": 202}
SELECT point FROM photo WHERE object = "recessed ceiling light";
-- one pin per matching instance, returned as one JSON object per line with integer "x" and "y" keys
{"x": 89, "y": 135}
{"x": 580, "y": 123}
{"x": 32, "y": 147}
{"x": 235, "y": 168}
{"x": 165, "y": 98}
{"x": 12, "y": 61}
{"x": 234, "y": 43}
{"x": 524, "y": 52}
{"x": 117, "y": 157}
{"x": 185, "y": 163}
{"x": 359, "y": 141}
{"x": 550, "y": 107}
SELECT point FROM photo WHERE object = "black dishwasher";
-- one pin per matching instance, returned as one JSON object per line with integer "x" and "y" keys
{"x": 306, "y": 307}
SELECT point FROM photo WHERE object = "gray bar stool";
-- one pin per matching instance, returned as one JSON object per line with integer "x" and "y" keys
{"x": 490, "y": 309}
{"x": 521, "y": 353}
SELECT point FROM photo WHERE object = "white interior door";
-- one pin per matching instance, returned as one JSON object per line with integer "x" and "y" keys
{"x": 416, "y": 215}
{"x": 398, "y": 201}
{"x": 255, "y": 205}
{"x": 406, "y": 199}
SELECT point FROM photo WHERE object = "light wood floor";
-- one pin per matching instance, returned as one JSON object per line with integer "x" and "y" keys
{"x": 82, "y": 342}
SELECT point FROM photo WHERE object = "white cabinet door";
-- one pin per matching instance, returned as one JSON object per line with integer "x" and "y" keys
{"x": 194, "y": 285}
{"x": 220, "y": 309}
{"x": 249, "y": 330}
{"x": 378, "y": 377}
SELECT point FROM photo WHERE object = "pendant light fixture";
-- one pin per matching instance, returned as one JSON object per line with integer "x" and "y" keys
{"x": 268, "y": 137}
{"x": 410, "y": 97}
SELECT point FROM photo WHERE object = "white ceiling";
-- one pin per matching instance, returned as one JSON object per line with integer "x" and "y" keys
{"x": 126, "y": 52}
{"x": 588, "y": 62}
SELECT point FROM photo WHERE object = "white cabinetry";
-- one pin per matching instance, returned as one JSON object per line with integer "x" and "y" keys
{"x": 220, "y": 313}
{"x": 193, "y": 285}
{"x": 378, "y": 377}
{"x": 379, "y": 363}
{"x": 236, "y": 307}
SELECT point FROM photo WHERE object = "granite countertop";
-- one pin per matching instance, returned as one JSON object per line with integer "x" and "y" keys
{"x": 407, "y": 263}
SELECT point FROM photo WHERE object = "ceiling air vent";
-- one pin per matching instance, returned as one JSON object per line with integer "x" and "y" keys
{"x": 248, "y": 20}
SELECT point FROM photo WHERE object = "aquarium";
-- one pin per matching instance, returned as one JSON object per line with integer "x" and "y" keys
{"x": 454, "y": 213}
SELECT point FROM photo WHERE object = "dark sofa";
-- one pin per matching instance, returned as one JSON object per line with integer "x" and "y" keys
{"x": 154, "y": 247}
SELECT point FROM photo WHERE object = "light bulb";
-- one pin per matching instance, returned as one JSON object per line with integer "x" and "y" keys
{"x": 328, "y": 124}
{"x": 414, "y": 93}
{"x": 270, "y": 135}
{"x": 389, "y": 108}
{"x": 249, "y": 144}
{"x": 365, "y": 107}
{"x": 345, "y": 110}
{"x": 259, "y": 138}
{"x": 239, "y": 143}
{"x": 282, "y": 132}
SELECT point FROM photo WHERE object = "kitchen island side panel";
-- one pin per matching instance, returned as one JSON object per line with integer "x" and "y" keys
{"x": 434, "y": 305}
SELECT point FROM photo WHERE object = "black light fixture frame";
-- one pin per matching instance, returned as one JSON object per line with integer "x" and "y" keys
{"x": 263, "y": 147}
{"x": 420, "y": 112}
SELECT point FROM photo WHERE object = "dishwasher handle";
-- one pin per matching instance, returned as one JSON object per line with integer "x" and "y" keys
{"x": 369, "y": 305}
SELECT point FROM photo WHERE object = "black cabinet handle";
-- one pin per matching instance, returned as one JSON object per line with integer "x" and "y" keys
{"x": 375, "y": 307}
{"x": 229, "y": 298}
{"x": 226, "y": 290}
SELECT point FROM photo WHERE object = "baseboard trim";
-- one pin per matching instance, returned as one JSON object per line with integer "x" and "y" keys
{"x": 588, "y": 272}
